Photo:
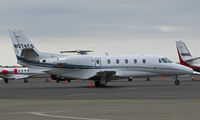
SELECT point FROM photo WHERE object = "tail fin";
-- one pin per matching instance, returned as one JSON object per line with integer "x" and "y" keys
{"x": 22, "y": 46}
{"x": 184, "y": 53}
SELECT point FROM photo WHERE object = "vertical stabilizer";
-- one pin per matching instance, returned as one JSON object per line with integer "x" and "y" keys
{"x": 184, "y": 53}
{"x": 22, "y": 46}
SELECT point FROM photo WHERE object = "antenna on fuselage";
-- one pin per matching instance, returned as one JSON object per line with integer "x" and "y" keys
{"x": 107, "y": 54}
{"x": 79, "y": 52}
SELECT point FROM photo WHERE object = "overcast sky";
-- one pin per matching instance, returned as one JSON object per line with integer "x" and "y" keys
{"x": 113, "y": 26}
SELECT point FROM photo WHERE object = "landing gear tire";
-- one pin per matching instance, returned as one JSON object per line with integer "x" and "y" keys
{"x": 6, "y": 80}
{"x": 25, "y": 81}
{"x": 57, "y": 81}
{"x": 130, "y": 79}
{"x": 99, "y": 84}
{"x": 148, "y": 79}
{"x": 177, "y": 82}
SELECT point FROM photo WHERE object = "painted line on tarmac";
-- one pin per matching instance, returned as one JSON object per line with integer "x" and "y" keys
{"x": 82, "y": 94}
{"x": 65, "y": 117}
{"x": 152, "y": 96}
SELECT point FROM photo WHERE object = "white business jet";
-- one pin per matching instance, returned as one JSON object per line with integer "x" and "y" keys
{"x": 101, "y": 69}
{"x": 7, "y": 74}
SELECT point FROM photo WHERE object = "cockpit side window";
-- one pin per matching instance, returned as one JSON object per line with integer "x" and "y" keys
{"x": 160, "y": 61}
{"x": 163, "y": 60}
{"x": 166, "y": 60}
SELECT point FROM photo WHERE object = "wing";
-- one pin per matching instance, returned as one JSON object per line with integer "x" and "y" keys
{"x": 14, "y": 76}
{"x": 107, "y": 75}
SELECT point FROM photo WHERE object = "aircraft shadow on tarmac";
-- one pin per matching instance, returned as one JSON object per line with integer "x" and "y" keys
{"x": 107, "y": 87}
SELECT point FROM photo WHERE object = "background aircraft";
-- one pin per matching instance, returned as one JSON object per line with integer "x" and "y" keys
{"x": 186, "y": 58}
{"x": 101, "y": 69}
{"x": 19, "y": 73}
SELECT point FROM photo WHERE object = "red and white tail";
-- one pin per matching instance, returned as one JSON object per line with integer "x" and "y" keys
{"x": 184, "y": 53}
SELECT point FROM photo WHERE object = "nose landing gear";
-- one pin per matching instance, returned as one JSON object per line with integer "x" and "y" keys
{"x": 177, "y": 82}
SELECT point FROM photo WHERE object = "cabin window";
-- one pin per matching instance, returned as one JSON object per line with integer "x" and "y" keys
{"x": 135, "y": 60}
{"x": 108, "y": 61}
{"x": 21, "y": 70}
{"x": 144, "y": 60}
{"x": 126, "y": 61}
{"x": 27, "y": 70}
{"x": 97, "y": 61}
{"x": 117, "y": 61}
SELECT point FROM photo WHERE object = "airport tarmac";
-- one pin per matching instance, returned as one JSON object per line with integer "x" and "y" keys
{"x": 122, "y": 100}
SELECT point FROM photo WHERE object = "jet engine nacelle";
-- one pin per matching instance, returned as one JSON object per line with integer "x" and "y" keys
{"x": 53, "y": 60}
{"x": 4, "y": 72}
{"x": 9, "y": 71}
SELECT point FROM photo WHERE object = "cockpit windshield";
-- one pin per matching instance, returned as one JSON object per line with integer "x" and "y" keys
{"x": 166, "y": 60}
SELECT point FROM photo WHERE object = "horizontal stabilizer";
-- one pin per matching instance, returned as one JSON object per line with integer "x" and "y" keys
{"x": 79, "y": 52}
{"x": 193, "y": 59}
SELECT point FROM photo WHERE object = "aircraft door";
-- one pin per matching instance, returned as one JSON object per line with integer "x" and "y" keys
{"x": 97, "y": 62}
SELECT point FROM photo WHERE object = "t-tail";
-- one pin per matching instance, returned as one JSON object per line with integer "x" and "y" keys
{"x": 24, "y": 49}
{"x": 186, "y": 58}
{"x": 183, "y": 52}
{"x": 27, "y": 54}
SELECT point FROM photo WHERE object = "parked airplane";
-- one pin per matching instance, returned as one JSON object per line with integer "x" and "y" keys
{"x": 186, "y": 58}
{"x": 101, "y": 69}
{"x": 18, "y": 73}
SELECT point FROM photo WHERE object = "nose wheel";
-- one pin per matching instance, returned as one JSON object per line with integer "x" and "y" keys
{"x": 130, "y": 79}
{"x": 176, "y": 82}
{"x": 100, "y": 84}
{"x": 6, "y": 80}
{"x": 25, "y": 81}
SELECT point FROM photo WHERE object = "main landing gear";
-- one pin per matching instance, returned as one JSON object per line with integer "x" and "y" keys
{"x": 6, "y": 80}
{"x": 62, "y": 79}
{"x": 103, "y": 78}
{"x": 130, "y": 79}
{"x": 58, "y": 80}
{"x": 25, "y": 81}
{"x": 148, "y": 79}
{"x": 176, "y": 82}
{"x": 99, "y": 83}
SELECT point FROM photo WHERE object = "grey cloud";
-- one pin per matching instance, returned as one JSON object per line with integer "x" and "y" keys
{"x": 99, "y": 21}
{"x": 86, "y": 17}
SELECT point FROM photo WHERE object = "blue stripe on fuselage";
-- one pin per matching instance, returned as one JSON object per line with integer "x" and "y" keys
{"x": 52, "y": 65}
{"x": 32, "y": 62}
